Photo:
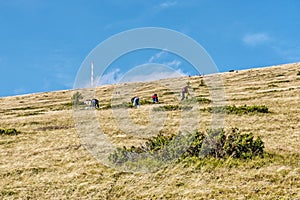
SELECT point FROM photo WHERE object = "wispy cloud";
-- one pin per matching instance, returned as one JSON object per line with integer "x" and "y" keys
{"x": 174, "y": 63}
{"x": 154, "y": 76}
{"x": 147, "y": 72}
{"x": 151, "y": 72}
{"x": 256, "y": 39}
{"x": 20, "y": 90}
{"x": 168, "y": 4}
{"x": 288, "y": 52}
{"x": 112, "y": 77}
{"x": 157, "y": 56}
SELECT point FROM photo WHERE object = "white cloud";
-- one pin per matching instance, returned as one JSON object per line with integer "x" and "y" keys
{"x": 151, "y": 72}
{"x": 109, "y": 78}
{"x": 174, "y": 63}
{"x": 157, "y": 56}
{"x": 153, "y": 76}
{"x": 256, "y": 39}
{"x": 168, "y": 4}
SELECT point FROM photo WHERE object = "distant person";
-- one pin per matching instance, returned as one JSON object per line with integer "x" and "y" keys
{"x": 185, "y": 93}
{"x": 135, "y": 101}
{"x": 155, "y": 98}
{"x": 88, "y": 103}
{"x": 95, "y": 103}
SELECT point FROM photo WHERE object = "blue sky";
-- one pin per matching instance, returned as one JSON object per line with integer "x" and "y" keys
{"x": 44, "y": 42}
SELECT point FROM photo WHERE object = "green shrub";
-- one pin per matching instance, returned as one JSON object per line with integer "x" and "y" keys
{"x": 201, "y": 84}
{"x": 238, "y": 109}
{"x": 152, "y": 145}
{"x": 145, "y": 102}
{"x": 210, "y": 144}
{"x": 77, "y": 96}
{"x": 10, "y": 131}
{"x": 243, "y": 145}
{"x": 171, "y": 108}
{"x": 203, "y": 100}
{"x": 168, "y": 93}
{"x": 298, "y": 73}
{"x": 115, "y": 106}
{"x": 124, "y": 105}
{"x": 195, "y": 100}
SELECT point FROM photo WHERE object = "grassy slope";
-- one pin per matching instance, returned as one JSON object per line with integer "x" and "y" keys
{"x": 47, "y": 160}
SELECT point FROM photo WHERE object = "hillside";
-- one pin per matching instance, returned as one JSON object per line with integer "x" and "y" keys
{"x": 48, "y": 160}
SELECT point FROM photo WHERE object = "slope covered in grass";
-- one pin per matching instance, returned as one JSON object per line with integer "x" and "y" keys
{"x": 48, "y": 160}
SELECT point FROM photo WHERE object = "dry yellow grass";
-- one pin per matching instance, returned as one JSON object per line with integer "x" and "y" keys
{"x": 48, "y": 161}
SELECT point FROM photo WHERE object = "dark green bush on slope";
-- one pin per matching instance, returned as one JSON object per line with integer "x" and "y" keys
{"x": 10, "y": 131}
{"x": 213, "y": 143}
{"x": 171, "y": 108}
{"x": 76, "y": 98}
{"x": 238, "y": 109}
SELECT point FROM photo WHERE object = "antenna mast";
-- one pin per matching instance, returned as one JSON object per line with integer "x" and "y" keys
{"x": 92, "y": 74}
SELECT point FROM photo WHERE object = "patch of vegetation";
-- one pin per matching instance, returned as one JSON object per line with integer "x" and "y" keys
{"x": 171, "y": 108}
{"x": 58, "y": 107}
{"x": 24, "y": 108}
{"x": 8, "y": 193}
{"x": 145, "y": 102}
{"x": 169, "y": 93}
{"x": 31, "y": 113}
{"x": 125, "y": 105}
{"x": 77, "y": 96}
{"x": 238, "y": 109}
{"x": 203, "y": 100}
{"x": 51, "y": 128}
{"x": 282, "y": 81}
{"x": 200, "y": 145}
{"x": 116, "y": 106}
{"x": 202, "y": 84}
{"x": 298, "y": 73}
{"x": 193, "y": 100}
{"x": 252, "y": 88}
{"x": 272, "y": 85}
{"x": 10, "y": 131}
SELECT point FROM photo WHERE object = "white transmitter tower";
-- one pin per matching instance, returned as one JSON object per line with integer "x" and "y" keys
{"x": 92, "y": 74}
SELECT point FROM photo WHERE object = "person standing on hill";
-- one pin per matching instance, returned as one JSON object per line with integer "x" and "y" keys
{"x": 184, "y": 93}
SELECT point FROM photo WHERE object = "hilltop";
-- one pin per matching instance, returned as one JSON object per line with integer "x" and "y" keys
{"x": 47, "y": 159}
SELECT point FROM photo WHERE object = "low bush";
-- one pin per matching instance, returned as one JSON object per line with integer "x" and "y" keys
{"x": 169, "y": 93}
{"x": 115, "y": 106}
{"x": 124, "y": 105}
{"x": 298, "y": 73}
{"x": 210, "y": 144}
{"x": 203, "y": 100}
{"x": 238, "y": 109}
{"x": 202, "y": 84}
{"x": 77, "y": 96}
{"x": 196, "y": 100}
{"x": 145, "y": 102}
{"x": 10, "y": 131}
{"x": 171, "y": 108}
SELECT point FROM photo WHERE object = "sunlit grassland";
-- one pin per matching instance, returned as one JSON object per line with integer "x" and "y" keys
{"x": 48, "y": 161}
